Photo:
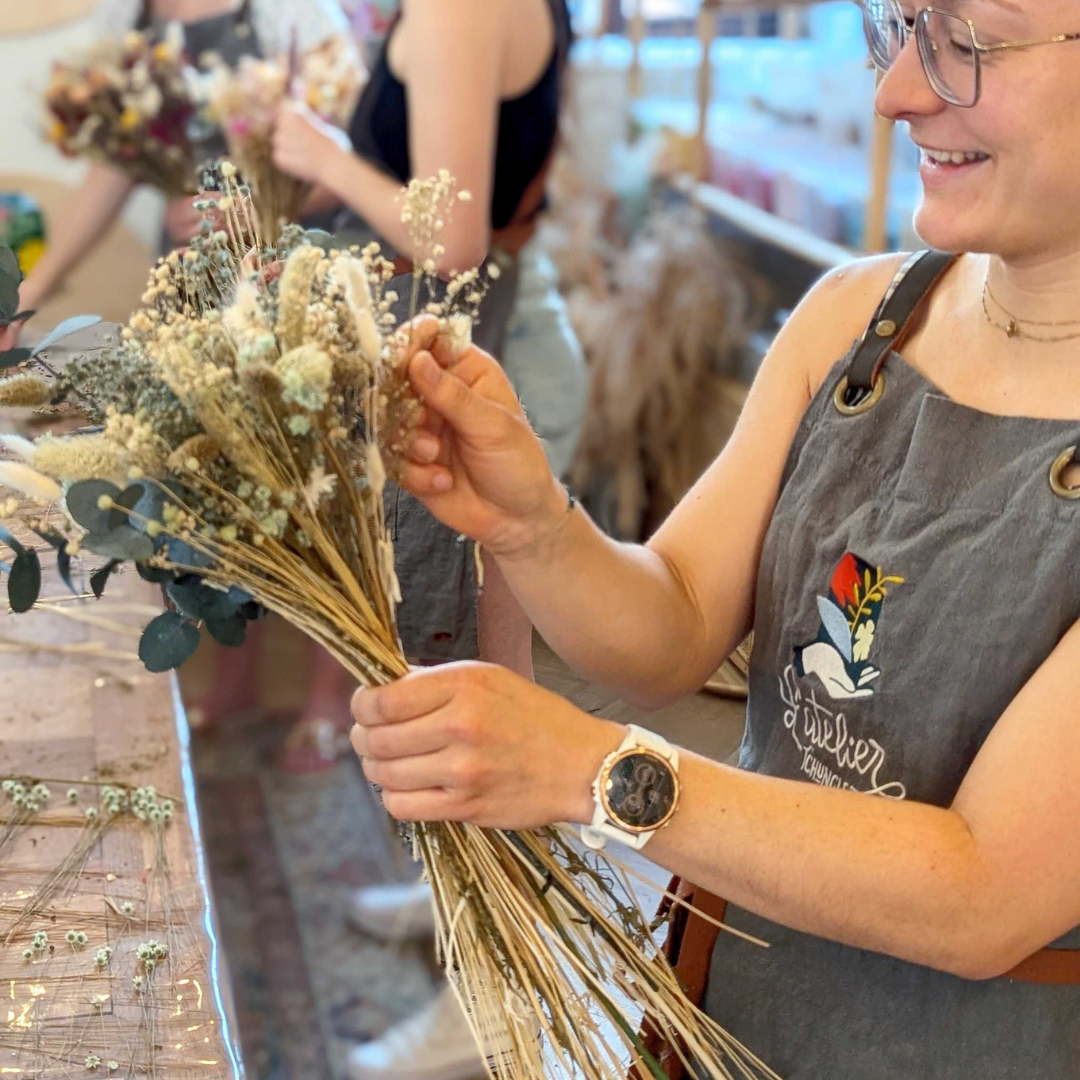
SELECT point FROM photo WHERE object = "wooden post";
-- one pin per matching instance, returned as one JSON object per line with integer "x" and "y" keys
{"x": 637, "y": 36}
{"x": 877, "y": 205}
{"x": 790, "y": 22}
{"x": 706, "y": 32}
{"x": 608, "y": 11}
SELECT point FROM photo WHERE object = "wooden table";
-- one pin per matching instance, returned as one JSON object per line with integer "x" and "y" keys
{"x": 82, "y": 719}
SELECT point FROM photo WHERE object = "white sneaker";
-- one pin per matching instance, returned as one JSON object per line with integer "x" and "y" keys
{"x": 435, "y": 1044}
{"x": 394, "y": 912}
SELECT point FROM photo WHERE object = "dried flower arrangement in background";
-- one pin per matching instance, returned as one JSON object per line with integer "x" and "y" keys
{"x": 245, "y": 101}
{"x": 228, "y": 466}
{"x": 129, "y": 102}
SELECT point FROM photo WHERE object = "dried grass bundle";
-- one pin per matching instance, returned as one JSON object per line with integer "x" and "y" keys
{"x": 669, "y": 316}
{"x": 231, "y": 405}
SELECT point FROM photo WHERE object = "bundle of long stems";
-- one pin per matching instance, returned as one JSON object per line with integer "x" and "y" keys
{"x": 231, "y": 406}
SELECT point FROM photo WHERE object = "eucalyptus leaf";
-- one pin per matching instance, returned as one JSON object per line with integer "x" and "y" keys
{"x": 231, "y": 632}
{"x": 185, "y": 555}
{"x": 238, "y": 596}
{"x": 9, "y": 264}
{"x": 124, "y": 543}
{"x": 51, "y": 537}
{"x": 63, "y": 568}
{"x": 167, "y": 642}
{"x": 320, "y": 238}
{"x": 144, "y": 500}
{"x": 82, "y": 504}
{"x": 65, "y": 329}
{"x": 11, "y": 541}
{"x": 24, "y": 582}
{"x": 100, "y": 577}
{"x": 13, "y": 357}
{"x": 200, "y": 602}
{"x": 154, "y": 574}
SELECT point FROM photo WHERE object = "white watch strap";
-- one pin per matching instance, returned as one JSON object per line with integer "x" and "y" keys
{"x": 601, "y": 829}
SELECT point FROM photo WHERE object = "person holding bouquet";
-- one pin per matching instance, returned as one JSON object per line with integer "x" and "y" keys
{"x": 897, "y": 520}
{"x": 231, "y": 29}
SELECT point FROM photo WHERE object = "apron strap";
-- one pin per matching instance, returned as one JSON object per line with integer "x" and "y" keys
{"x": 895, "y": 318}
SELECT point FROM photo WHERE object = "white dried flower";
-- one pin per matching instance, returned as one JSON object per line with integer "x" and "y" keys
{"x": 27, "y": 481}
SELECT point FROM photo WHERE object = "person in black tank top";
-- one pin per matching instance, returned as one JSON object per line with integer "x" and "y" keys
{"x": 527, "y": 126}
{"x": 435, "y": 80}
{"x": 445, "y": 65}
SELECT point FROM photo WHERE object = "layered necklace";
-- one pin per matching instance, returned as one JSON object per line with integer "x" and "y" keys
{"x": 1016, "y": 327}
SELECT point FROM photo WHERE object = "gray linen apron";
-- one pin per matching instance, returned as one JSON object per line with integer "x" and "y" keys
{"x": 917, "y": 571}
{"x": 437, "y": 616}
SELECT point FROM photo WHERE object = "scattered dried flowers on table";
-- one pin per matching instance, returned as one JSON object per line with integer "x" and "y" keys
{"x": 129, "y": 102}
{"x": 247, "y": 424}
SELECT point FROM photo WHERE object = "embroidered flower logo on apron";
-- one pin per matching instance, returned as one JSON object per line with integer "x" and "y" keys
{"x": 839, "y": 657}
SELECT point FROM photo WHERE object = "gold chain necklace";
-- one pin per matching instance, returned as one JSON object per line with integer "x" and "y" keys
{"x": 1013, "y": 327}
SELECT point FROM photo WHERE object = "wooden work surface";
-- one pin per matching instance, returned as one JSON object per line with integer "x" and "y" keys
{"x": 81, "y": 712}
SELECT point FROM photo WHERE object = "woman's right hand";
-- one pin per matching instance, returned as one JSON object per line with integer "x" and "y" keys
{"x": 476, "y": 464}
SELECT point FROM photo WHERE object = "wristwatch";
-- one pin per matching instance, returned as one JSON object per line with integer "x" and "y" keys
{"x": 636, "y": 791}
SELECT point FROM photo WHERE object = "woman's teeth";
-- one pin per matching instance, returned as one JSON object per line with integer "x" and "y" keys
{"x": 954, "y": 157}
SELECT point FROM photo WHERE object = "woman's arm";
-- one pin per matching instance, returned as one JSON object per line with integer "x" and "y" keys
{"x": 652, "y": 622}
{"x": 93, "y": 208}
{"x": 453, "y": 53}
{"x": 971, "y": 890}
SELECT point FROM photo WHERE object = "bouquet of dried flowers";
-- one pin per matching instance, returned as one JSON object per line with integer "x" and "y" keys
{"x": 129, "y": 102}
{"x": 245, "y": 101}
{"x": 244, "y": 429}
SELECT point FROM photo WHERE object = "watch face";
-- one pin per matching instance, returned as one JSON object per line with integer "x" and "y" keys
{"x": 640, "y": 790}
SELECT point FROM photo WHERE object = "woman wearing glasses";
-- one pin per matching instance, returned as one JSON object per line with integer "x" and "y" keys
{"x": 898, "y": 520}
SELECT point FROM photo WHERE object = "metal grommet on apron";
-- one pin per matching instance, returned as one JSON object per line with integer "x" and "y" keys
{"x": 863, "y": 401}
{"x": 1057, "y": 475}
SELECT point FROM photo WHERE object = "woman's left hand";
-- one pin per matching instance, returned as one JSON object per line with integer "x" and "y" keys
{"x": 304, "y": 145}
{"x": 476, "y": 743}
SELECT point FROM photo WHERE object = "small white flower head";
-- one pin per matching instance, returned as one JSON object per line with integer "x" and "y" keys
{"x": 81, "y": 938}
{"x": 41, "y": 939}
{"x": 112, "y": 1066}
{"x": 103, "y": 956}
{"x": 143, "y": 952}
{"x": 40, "y": 791}
{"x": 7, "y": 786}
{"x": 72, "y": 795}
{"x": 32, "y": 805}
{"x": 91, "y": 813}
{"x": 18, "y": 789}
{"x": 71, "y": 937}
{"x": 28, "y": 954}
{"x": 127, "y": 908}
{"x": 92, "y": 1061}
{"x": 139, "y": 983}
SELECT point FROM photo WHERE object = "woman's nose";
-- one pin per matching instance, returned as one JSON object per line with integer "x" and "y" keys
{"x": 904, "y": 90}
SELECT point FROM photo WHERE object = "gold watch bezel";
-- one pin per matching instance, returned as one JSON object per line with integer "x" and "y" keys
{"x": 603, "y": 783}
